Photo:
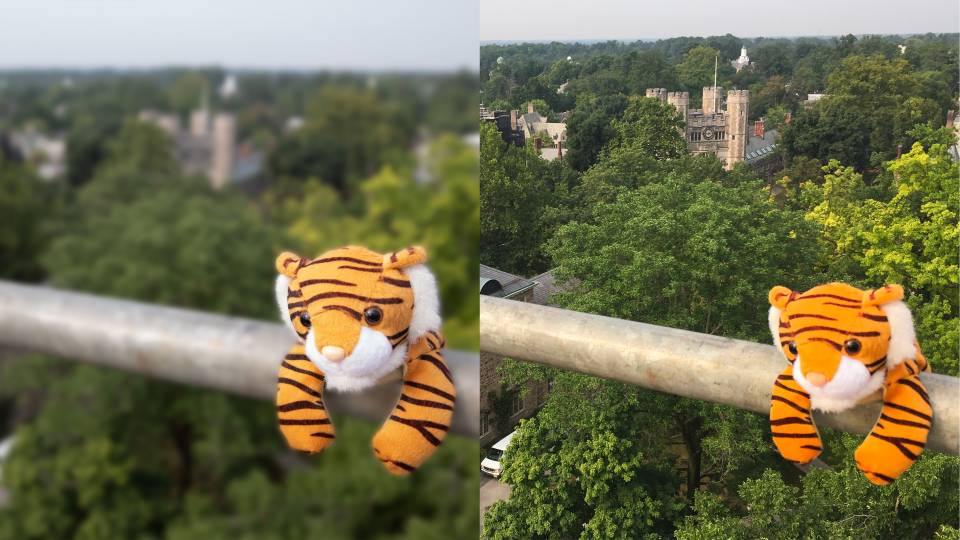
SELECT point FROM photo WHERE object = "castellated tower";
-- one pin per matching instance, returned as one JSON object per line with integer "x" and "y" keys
{"x": 221, "y": 163}
{"x": 680, "y": 100}
{"x": 711, "y": 99}
{"x": 658, "y": 93}
{"x": 738, "y": 111}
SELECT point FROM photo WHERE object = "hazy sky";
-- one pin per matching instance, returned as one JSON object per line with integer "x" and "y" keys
{"x": 348, "y": 34}
{"x": 625, "y": 19}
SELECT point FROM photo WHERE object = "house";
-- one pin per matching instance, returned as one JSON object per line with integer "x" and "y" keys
{"x": 501, "y": 407}
{"x": 506, "y": 124}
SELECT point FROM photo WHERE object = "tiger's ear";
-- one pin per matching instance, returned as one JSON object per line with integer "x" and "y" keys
{"x": 404, "y": 258}
{"x": 288, "y": 263}
{"x": 883, "y": 295}
{"x": 779, "y": 297}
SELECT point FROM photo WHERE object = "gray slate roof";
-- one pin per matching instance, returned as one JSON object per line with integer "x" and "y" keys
{"x": 510, "y": 285}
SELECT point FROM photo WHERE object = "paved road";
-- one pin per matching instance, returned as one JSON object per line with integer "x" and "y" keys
{"x": 491, "y": 491}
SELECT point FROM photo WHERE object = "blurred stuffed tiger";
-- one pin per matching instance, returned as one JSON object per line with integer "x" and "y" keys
{"x": 360, "y": 315}
{"x": 844, "y": 344}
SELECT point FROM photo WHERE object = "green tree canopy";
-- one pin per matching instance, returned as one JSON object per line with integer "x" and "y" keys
{"x": 652, "y": 127}
{"x": 590, "y": 128}
{"x": 24, "y": 205}
{"x": 348, "y": 135}
{"x": 512, "y": 201}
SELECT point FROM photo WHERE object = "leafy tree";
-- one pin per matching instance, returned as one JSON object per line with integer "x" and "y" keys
{"x": 908, "y": 236}
{"x": 584, "y": 468}
{"x": 590, "y": 128}
{"x": 829, "y": 131}
{"x": 884, "y": 94}
{"x": 773, "y": 59}
{"x": 105, "y": 454}
{"x": 697, "y": 70}
{"x": 834, "y": 502}
{"x": 651, "y": 127}
{"x": 772, "y": 93}
{"x": 451, "y": 107}
{"x": 512, "y": 200}
{"x": 24, "y": 204}
{"x": 188, "y": 92}
{"x": 660, "y": 253}
{"x": 348, "y": 135}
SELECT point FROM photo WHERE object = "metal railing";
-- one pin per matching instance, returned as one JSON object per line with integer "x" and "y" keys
{"x": 235, "y": 355}
{"x": 689, "y": 364}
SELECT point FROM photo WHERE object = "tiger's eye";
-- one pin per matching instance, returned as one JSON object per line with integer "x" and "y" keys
{"x": 373, "y": 315}
{"x": 852, "y": 346}
{"x": 792, "y": 347}
{"x": 305, "y": 319}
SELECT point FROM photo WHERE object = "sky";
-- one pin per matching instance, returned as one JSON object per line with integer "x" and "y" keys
{"x": 569, "y": 20}
{"x": 364, "y": 35}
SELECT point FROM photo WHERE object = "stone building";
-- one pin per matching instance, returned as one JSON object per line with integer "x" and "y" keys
{"x": 719, "y": 127}
{"x": 501, "y": 284}
{"x": 207, "y": 147}
{"x": 742, "y": 62}
{"x": 506, "y": 123}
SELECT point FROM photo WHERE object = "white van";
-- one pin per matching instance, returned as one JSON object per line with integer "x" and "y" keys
{"x": 491, "y": 464}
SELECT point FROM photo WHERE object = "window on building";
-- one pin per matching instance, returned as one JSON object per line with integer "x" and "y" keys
{"x": 516, "y": 405}
{"x": 485, "y": 423}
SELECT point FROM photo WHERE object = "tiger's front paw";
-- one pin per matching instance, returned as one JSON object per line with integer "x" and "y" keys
{"x": 883, "y": 458}
{"x": 403, "y": 445}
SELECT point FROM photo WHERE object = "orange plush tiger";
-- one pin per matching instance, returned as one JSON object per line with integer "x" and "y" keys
{"x": 358, "y": 316}
{"x": 843, "y": 345}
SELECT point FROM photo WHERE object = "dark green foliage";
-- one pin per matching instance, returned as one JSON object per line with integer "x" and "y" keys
{"x": 833, "y": 502}
{"x": 512, "y": 201}
{"x": 651, "y": 128}
{"x": 104, "y": 454}
{"x": 648, "y": 233}
{"x": 347, "y": 136}
{"x": 24, "y": 205}
{"x": 829, "y": 132}
{"x": 590, "y": 128}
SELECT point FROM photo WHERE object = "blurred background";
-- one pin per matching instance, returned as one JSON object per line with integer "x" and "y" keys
{"x": 167, "y": 153}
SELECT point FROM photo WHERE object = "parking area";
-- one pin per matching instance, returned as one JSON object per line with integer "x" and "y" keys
{"x": 491, "y": 491}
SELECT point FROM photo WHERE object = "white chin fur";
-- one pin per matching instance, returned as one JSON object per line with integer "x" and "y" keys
{"x": 371, "y": 359}
{"x": 851, "y": 383}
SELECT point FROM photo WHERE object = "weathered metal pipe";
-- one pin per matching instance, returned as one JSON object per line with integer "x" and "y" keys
{"x": 689, "y": 364}
{"x": 235, "y": 355}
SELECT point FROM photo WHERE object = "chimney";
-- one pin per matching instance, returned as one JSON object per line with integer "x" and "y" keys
{"x": 787, "y": 118}
{"x": 559, "y": 149}
{"x": 950, "y": 118}
{"x": 529, "y": 107}
{"x": 758, "y": 128}
{"x": 513, "y": 120}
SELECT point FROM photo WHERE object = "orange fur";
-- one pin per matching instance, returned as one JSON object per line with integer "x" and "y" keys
{"x": 816, "y": 328}
{"x": 328, "y": 298}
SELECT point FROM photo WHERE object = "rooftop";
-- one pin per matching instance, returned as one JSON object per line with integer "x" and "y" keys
{"x": 758, "y": 148}
{"x": 502, "y": 284}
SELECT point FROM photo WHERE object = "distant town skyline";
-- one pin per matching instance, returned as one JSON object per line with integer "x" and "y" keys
{"x": 569, "y": 20}
{"x": 365, "y": 35}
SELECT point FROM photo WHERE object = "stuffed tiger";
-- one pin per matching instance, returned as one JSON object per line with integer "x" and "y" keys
{"x": 843, "y": 345}
{"x": 360, "y": 315}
